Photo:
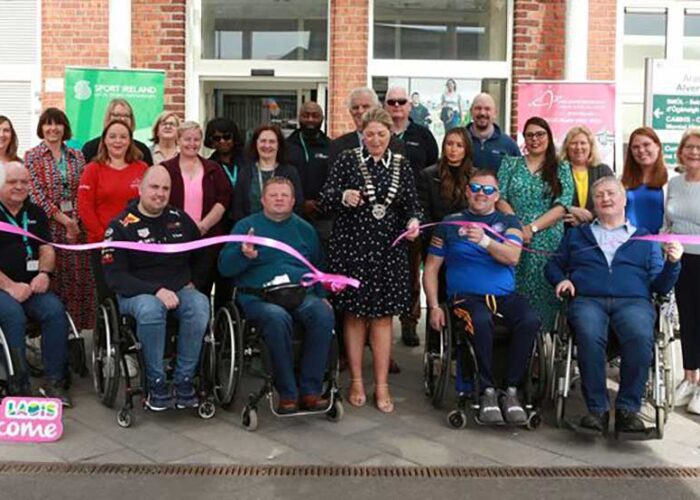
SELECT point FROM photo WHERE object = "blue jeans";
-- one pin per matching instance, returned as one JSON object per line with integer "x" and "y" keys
{"x": 276, "y": 325}
{"x": 151, "y": 315}
{"x": 633, "y": 322}
{"x": 47, "y": 309}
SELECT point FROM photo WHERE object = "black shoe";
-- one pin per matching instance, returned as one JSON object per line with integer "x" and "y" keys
{"x": 56, "y": 389}
{"x": 597, "y": 422}
{"x": 628, "y": 421}
{"x": 408, "y": 335}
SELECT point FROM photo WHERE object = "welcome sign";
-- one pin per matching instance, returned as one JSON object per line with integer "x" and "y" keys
{"x": 33, "y": 420}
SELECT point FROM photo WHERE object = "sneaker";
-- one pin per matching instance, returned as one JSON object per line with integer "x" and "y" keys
{"x": 684, "y": 392}
{"x": 694, "y": 405}
{"x": 185, "y": 396}
{"x": 597, "y": 422}
{"x": 159, "y": 397}
{"x": 409, "y": 335}
{"x": 628, "y": 421}
{"x": 489, "y": 412}
{"x": 56, "y": 389}
{"x": 512, "y": 410}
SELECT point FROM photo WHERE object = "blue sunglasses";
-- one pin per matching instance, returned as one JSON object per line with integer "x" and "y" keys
{"x": 487, "y": 190}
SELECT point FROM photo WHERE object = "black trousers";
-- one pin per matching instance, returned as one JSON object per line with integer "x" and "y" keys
{"x": 688, "y": 300}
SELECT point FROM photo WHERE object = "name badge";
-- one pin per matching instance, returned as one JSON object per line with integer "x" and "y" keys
{"x": 32, "y": 265}
{"x": 66, "y": 206}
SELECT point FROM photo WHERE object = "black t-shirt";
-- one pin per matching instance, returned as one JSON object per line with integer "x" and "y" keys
{"x": 91, "y": 147}
{"x": 13, "y": 249}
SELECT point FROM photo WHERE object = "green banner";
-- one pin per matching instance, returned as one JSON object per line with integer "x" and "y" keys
{"x": 89, "y": 91}
{"x": 675, "y": 112}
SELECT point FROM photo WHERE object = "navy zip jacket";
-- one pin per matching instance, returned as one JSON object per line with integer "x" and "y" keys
{"x": 489, "y": 153}
{"x": 637, "y": 270}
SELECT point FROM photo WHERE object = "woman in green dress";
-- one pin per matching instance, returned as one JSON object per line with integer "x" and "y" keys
{"x": 538, "y": 190}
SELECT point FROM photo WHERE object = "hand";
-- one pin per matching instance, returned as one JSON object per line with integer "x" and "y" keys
{"x": 527, "y": 234}
{"x": 248, "y": 249}
{"x": 353, "y": 198}
{"x": 674, "y": 251}
{"x": 437, "y": 318}
{"x": 563, "y": 288}
{"x": 168, "y": 298}
{"x": 580, "y": 215}
{"x": 203, "y": 228}
{"x": 72, "y": 231}
{"x": 19, "y": 291}
{"x": 40, "y": 283}
{"x": 310, "y": 208}
{"x": 474, "y": 233}
{"x": 413, "y": 230}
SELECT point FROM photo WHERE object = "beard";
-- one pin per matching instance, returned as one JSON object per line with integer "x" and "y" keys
{"x": 311, "y": 132}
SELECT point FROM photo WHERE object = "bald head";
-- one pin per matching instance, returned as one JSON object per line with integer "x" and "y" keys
{"x": 483, "y": 111}
{"x": 16, "y": 186}
{"x": 154, "y": 191}
{"x": 310, "y": 118}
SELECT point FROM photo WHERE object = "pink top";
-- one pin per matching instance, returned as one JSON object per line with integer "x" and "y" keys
{"x": 194, "y": 195}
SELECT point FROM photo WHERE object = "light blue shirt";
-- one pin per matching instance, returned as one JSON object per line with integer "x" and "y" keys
{"x": 609, "y": 240}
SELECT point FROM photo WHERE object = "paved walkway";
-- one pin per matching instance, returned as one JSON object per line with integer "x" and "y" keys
{"x": 415, "y": 434}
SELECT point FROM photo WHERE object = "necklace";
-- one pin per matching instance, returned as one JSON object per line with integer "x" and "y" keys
{"x": 379, "y": 209}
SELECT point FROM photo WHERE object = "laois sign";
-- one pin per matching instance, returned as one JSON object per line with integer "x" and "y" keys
{"x": 31, "y": 419}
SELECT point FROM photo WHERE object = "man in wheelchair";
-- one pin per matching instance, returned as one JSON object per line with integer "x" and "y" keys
{"x": 26, "y": 268}
{"x": 270, "y": 295}
{"x": 149, "y": 285}
{"x": 611, "y": 278}
{"x": 480, "y": 275}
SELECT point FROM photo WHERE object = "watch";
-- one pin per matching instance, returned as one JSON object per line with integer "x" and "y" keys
{"x": 534, "y": 228}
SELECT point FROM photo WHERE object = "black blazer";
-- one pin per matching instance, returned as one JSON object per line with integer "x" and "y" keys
{"x": 594, "y": 173}
{"x": 241, "y": 195}
{"x": 431, "y": 201}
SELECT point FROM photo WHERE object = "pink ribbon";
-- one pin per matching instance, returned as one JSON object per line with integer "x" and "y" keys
{"x": 334, "y": 282}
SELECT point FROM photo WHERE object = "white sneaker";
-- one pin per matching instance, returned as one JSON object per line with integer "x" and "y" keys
{"x": 694, "y": 405}
{"x": 684, "y": 391}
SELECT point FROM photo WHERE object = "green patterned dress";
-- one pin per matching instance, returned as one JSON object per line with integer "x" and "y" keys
{"x": 525, "y": 192}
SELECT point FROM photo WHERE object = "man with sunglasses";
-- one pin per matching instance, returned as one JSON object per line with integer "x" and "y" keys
{"x": 480, "y": 272}
{"x": 489, "y": 144}
{"x": 421, "y": 151}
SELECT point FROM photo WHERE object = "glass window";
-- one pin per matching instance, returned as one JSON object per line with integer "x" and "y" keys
{"x": 440, "y": 29}
{"x": 265, "y": 29}
{"x": 691, "y": 36}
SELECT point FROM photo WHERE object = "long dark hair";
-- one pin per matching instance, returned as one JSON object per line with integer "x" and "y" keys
{"x": 550, "y": 165}
{"x": 253, "y": 145}
{"x": 453, "y": 187}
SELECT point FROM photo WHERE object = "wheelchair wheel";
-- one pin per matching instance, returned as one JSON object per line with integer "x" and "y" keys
{"x": 457, "y": 419}
{"x": 249, "y": 419}
{"x": 228, "y": 346}
{"x": 125, "y": 418}
{"x": 105, "y": 354}
{"x": 337, "y": 411}
{"x": 536, "y": 384}
{"x": 77, "y": 358}
{"x": 661, "y": 417}
{"x": 206, "y": 410}
{"x": 437, "y": 362}
{"x": 559, "y": 409}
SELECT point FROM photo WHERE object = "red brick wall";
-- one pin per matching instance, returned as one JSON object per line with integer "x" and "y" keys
{"x": 538, "y": 44}
{"x": 158, "y": 42}
{"x": 348, "y": 59}
{"x": 74, "y": 33}
{"x": 601, "y": 39}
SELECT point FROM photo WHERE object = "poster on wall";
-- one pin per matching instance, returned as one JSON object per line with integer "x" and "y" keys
{"x": 89, "y": 91}
{"x": 439, "y": 103}
{"x": 567, "y": 104}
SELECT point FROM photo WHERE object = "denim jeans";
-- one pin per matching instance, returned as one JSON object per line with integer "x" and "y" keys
{"x": 633, "y": 322}
{"x": 276, "y": 325}
{"x": 47, "y": 309}
{"x": 150, "y": 313}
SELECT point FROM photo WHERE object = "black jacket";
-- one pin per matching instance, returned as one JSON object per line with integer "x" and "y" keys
{"x": 421, "y": 148}
{"x": 594, "y": 173}
{"x": 90, "y": 150}
{"x": 433, "y": 204}
{"x": 311, "y": 161}
{"x": 131, "y": 273}
{"x": 241, "y": 194}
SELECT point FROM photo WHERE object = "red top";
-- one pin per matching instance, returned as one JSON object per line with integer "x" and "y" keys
{"x": 104, "y": 192}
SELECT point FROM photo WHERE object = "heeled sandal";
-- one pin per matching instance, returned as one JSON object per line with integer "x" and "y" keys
{"x": 357, "y": 398}
{"x": 385, "y": 405}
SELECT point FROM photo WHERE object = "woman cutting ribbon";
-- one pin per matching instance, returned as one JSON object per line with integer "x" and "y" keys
{"x": 372, "y": 192}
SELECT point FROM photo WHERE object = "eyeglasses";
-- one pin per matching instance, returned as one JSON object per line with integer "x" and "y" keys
{"x": 534, "y": 135}
{"x": 691, "y": 147}
{"x": 487, "y": 190}
{"x": 223, "y": 137}
{"x": 396, "y": 102}
{"x": 118, "y": 116}
{"x": 168, "y": 124}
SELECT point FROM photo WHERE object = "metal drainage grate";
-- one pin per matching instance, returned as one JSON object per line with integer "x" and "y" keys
{"x": 351, "y": 471}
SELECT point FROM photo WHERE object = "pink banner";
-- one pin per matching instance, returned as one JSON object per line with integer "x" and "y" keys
{"x": 567, "y": 104}
{"x": 36, "y": 420}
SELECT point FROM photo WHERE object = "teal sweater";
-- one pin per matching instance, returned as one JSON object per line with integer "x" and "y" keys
{"x": 294, "y": 231}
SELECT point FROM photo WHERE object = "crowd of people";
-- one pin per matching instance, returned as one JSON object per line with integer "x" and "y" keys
{"x": 525, "y": 229}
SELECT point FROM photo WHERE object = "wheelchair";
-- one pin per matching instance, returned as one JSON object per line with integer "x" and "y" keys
{"x": 659, "y": 390}
{"x": 77, "y": 359}
{"x": 115, "y": 343}
{"x": 242, "y": 343}
{"x": 439, "y": 367}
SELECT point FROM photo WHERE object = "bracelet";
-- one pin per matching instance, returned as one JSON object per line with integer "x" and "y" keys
{"x": 485, "y": 242}
{"x": 433, "y": 307}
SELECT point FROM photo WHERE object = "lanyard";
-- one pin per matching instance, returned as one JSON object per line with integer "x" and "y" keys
{"x": 303, "y": 145}
{"x": 260, "y": 176}
{"x": 25, "y": 225}
{"x": 232, "y": 177}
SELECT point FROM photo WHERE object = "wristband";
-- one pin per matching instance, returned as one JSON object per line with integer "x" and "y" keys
{"x": 433, "y": 307}
{"x": 485, "y": 242}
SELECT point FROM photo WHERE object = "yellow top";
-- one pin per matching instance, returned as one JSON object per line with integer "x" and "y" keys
{"x": 581, "y": 181}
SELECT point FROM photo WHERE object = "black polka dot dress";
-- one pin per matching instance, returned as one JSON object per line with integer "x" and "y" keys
{"x": 360, "y": 244}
